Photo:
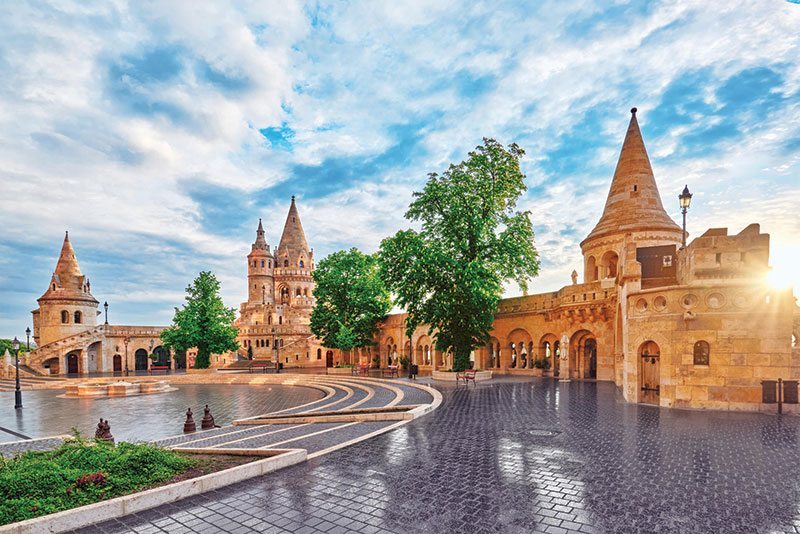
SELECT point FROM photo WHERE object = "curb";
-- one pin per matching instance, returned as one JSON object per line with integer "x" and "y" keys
{"x": 91, "y": 514}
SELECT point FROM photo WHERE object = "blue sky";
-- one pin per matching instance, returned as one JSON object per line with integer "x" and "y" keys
{"x": 158, "y": 133}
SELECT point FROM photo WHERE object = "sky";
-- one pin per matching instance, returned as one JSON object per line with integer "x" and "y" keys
{"x": 158, "y": 133}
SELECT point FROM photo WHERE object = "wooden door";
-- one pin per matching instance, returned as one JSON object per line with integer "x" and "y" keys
{"x": 650, "y": 373}
{"x": 117, "y": 363}
{"x": 72, "y": 364}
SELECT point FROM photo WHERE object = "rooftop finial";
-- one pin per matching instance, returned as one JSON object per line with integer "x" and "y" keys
{"x": 66, "y": 234}
{"x": 292, "y": 198}
{"x": 633, "y": 111}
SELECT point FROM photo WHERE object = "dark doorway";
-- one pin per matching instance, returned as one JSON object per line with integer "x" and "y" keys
{"x": 141, "y": 360}
{"x": 117, "y": 363}
{"x": 590, "y": 355}
{"x": 72, "y": 364}
{"x": 329, "y": 359}
{"x": 161, "y": 357}
{"x": 180, "y": 359}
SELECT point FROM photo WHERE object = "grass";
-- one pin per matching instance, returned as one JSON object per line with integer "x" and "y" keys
{"x": 81, "y": 472}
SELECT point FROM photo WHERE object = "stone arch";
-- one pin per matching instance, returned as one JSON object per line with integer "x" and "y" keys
{"x": 590, "y": 271}
{"x": 285, "y": 294}
{"x": 608, "y": 264}
{"x": 583, "y": 354}
{"x": 72, "y": 362}
{"x": 519, "y": 343}
{"x": 162, "y": 356}
{"x": 94, "y": 353}
{"x": 140, "y": 360}
{"x": 493, "y": 353}
{"x": 53, "y": 364}
{"x": 423, "y": 350}
{"x": 547, "y": 347}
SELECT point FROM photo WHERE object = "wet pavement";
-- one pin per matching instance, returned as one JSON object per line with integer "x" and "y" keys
{"x": 524, "y": 456}
{"x": 144, "y": 417}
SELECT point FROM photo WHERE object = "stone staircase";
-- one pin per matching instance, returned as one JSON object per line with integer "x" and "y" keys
{"x": 58, "y": 348}
{"x": 9, "y": 384}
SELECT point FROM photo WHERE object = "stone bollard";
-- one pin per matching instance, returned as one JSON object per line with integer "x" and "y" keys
{"x": 208, "y": 420}
{"x": 103, "y": 432}
{"x": 189, "y": 425}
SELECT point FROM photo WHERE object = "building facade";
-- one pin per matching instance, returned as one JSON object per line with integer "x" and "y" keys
{"x": 693, "y": 326}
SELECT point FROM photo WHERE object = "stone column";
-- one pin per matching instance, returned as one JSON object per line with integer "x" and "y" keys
{"x": 84, "y": 359}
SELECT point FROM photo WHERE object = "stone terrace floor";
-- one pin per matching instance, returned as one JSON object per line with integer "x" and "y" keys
{"x": 524, "y": 456}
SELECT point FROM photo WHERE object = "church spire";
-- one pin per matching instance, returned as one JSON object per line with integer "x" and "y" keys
{"x": 67, "y": 266}
{"x": 633, "y": 202}
{"x": 293, "y": 237}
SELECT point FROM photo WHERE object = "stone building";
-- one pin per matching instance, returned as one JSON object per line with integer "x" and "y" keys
{"x": 277, "y": 313}
{"x": 685, "y": 327}
{"x": 67, "y": 335}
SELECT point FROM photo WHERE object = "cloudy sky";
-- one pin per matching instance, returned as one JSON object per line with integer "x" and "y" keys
{"x": 158, "y": 133}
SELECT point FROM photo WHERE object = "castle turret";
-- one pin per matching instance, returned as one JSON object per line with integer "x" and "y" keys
{"x": 633, "y": 211}
{"x": 67, "y": 307}
{"x": 295, "y": 263}
{"x": 260, "y": 265}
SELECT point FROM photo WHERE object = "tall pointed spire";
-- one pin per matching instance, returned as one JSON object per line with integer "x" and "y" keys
{"x": 293, "y": 240}
{"x": 261, "y": 242}
{"x": 633, "y": 202}
{"x": 67, "y": 267}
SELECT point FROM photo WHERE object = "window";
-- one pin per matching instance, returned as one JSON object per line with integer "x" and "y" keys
{"x": 299, "y": 292}
{"x": 701, "y": 353}
{"x": 269, "y": 264}
{"x": 302, "y": 264}
{"x": 269, "y": 319}
{"x": 281, "y": 343}
{"x": 266, "y": 343}
{"x": 635, "y": 188}
{"x": 718, "y": 258}
{"x": 65, "y": 316}
{"x": 319, "y": 354}
{"x": 262, "y": 264}
{"x": 78, "y": 315}
{"x": 54, "y": 287}
{"x": 280, "y": 319}
{"x": 285, "y": 263}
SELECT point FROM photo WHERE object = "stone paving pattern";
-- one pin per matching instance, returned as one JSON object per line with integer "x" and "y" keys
{"x": 524, "y": 456}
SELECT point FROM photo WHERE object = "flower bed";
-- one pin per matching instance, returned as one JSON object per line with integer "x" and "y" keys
{"x": 82, "y": 472}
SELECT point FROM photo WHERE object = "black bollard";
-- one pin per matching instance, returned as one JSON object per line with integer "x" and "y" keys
{"x": 208, "y": 420}
{"x": 189, "y": 425}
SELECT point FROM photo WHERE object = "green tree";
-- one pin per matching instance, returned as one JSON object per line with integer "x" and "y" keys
{"x": 203, "y": 322}
{"x": 350, "y": 300}
{"x": 450, "y": 273}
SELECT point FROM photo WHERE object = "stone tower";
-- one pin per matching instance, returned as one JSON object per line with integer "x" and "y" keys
{"x": 633, "y": 213}
{"x": 260, "y": 265}
{"x": 294, "y": 284}
{"x": 67, "y": 307}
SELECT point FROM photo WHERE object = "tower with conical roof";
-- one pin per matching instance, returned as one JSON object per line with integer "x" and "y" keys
{"x": 260, "y": 265}
{"x": 67, "y": 307}
{"x": 633, "y": 213}
{"x": 294, "y": 283}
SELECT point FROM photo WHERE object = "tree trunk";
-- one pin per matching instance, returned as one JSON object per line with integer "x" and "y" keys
{"x": 203, "y": 359}
{"x": 461, "y": 358}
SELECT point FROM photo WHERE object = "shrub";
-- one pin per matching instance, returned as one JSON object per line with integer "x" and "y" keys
{"x": 80, "y": 472}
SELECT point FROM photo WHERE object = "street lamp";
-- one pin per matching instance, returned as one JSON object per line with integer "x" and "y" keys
{"x": 126, "y": 341}
{"x": 277, "y": 350}
{"x": 685, "y": 199}
{"x": 17, "y": 391}
{"x": 105, "y": 306}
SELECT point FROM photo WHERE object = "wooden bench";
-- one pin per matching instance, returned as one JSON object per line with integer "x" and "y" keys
{"x": 259, "y": 365}
{"x": 466, "y": 376}
{"x": 361, "y": 369}
{"x": 164, "y": 368}
{"x": 391, "y": 371}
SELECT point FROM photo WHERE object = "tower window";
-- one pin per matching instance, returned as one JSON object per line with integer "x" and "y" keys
{"x": 285, "y": 263}
{"x": 78, "y": 315}
{"x": 635, "y": 188}
{"x": 262, "y": 263}
{"x": 280, "y": 319}
{"x": 269, "y": 264}
{"x": 64, "y": 317}
{"x": 302, "y": 264}
{"x": 299, "y": 292}
{"x": 54, "y": 287}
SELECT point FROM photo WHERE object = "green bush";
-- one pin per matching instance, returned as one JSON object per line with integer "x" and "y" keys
{"x": 80, "y": 472}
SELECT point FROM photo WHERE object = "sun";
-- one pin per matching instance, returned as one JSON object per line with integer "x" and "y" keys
{"x": 785, "y": 271}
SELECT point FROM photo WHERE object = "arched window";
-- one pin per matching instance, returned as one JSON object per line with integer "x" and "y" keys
{"x": 319, "y": 354}
{"x": 269, "y": 319}
{"x": 702, "y": 352}
{"x": 262, "y": 263}
{"x": 54, "y": 287}
{"x": 65, "y": 316}
{"x": 281, "y": 342}
{"x": 305, "y": 292}
{"x": 269, "y": 264}
{"x": 302, "y": 264}
{"x": 285, "y": 263}
{"x": 299, "y": 292}
{"x": 78, "y": 315}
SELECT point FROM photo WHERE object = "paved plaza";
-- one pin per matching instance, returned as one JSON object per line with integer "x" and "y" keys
{"x": 524, "y": 456}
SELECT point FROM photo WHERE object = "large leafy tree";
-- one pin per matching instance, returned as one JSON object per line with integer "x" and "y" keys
{"x": 203, "y": 322}
{"x": 450, "y": 273}
{"x": 350, "y": 300}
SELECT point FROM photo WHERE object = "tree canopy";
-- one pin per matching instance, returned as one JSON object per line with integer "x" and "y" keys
{"x": 450, "y": 273}
{"x": 350, "y": 300}
{"x": 203, "y": 322}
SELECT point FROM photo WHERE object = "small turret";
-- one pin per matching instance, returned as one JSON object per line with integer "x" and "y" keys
{"x": 260, "y": 265}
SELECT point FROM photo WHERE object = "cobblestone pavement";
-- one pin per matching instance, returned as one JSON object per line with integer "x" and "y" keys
{"x": 524, "y": 456}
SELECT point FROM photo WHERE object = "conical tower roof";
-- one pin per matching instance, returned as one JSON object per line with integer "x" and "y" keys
{"x": 633, "y": 203}
{"x": 260, "y": 242}
{"x": 67, "y": 269}
{"x": 293, "y": 240}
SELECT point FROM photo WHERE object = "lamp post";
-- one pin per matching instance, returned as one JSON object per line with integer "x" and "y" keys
{"x": 17, "y": 391}
{"x": 277, "y": 350}
{"x": 105, "y": 307}
{"x": 126, "y": 341}
{"x": 685, "y": 199}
